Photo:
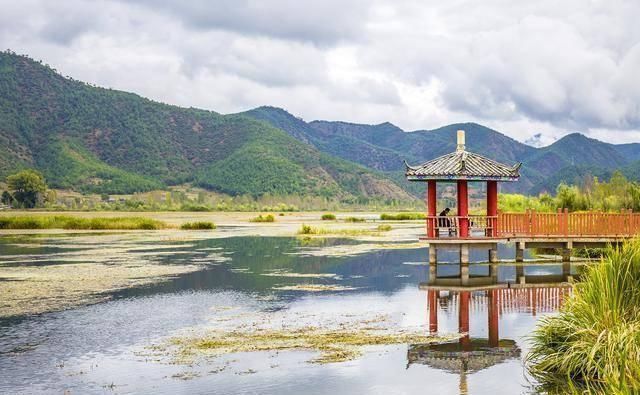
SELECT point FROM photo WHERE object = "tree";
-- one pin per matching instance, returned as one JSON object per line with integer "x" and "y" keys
{"x": 27, "y": 187}
{"x": 6, "y": 198}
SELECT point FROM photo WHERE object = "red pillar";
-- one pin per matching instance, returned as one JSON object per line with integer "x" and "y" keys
{"x": 432, "y": 296}
{"x": 431, "y": 208}
{"x": 463, "y": 208}
{"x": 463, "y": 319}
{"x": 493, "y": 318}
{"x": 492, "y": 206}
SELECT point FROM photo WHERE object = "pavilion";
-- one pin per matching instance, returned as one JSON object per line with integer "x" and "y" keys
{"x": 462, "y": 166}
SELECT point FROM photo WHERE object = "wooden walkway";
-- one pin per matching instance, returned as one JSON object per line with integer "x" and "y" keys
{"x": 561, "y": 230}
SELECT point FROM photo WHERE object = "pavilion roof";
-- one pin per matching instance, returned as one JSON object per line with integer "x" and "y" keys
{"x": 462, "y": 165}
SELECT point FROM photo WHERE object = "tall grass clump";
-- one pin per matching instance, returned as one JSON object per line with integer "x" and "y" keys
{"x": 263, "y": 218}
{"x": 354, "y": 219}
{"x": 69, "y": 222}
{"x": 198, "y": 225}
{"x": 328, "y": 217}
{"x": 401, "y": 216}
{"x": 593, "y": 344}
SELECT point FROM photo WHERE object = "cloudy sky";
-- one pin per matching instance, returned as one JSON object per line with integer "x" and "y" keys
{"x": 532, "y": 70}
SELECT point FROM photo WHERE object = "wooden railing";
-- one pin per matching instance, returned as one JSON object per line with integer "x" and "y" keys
{"x": 479, "y": 225}
{"x": 563, "y": 223}
{"x": 531, "y": 223}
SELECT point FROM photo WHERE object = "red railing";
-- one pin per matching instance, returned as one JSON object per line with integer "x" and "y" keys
{"x": 563, "y": 223}
{"x": 479, "y": 225}
{"x": 531, "y": 223}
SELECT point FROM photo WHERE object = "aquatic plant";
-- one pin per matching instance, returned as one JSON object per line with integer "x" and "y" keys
{"x": 334, "y": 345}
{"x": 593, "y": 344}
{"x": 384, "y": 228}
{"x": 265, "y": 218}
{"x": 198, "y": 225}
{"x": 69, "y": 222}
{"x": 354, "y": 219}
{"x": 312, "y": 230}
{"x": 328, "y": 217}
{"x": 402, "y": 216}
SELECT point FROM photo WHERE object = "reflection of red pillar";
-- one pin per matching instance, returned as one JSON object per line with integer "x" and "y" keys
{"x": 492, "y": 206}
{"x": 432, "y": 295}
{"x": 463, "y": 208}
{"x": 463, "y": 318}
{"x": 493, "y": 317}
{"x": 431, "y": 208}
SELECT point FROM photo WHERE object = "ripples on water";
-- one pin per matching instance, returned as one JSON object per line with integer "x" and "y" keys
{"x": 100, "y": 348}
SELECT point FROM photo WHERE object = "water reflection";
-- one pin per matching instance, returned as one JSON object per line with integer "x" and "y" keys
{"x": 492, "y": 296}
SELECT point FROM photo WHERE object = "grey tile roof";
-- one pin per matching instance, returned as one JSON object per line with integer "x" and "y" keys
{"x": 462, "y": 165}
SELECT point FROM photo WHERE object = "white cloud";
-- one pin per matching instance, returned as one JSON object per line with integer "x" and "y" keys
{"x": 521, "y": 68}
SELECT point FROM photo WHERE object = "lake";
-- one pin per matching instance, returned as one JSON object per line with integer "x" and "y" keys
{"x": 245, "y": 282}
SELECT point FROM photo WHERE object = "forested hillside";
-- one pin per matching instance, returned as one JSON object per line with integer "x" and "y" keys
{"x": 383, "y": 147}
{"x": 101, "y": 140}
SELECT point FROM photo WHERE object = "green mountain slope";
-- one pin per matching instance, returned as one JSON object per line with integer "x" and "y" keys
{"x": 101, "y": 140}
{"x": 384, "y": 146}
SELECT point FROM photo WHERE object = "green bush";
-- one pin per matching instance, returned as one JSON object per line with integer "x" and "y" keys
{"x": 593, "y": 344}
{"x": 306, "y": 230}
{"x": 384, "y": 228}
{"x": 328, "y": 217}
{"x": 265, "y": 218}
{"x": 402, "y": 216}
{"x": 198, "y": 225}
{"x": 354, "y": 219}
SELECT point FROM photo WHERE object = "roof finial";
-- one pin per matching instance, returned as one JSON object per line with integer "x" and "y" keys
{"x": 460, "y": 146}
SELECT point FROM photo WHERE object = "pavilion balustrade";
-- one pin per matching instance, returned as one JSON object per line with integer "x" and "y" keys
{"x": 449, "y": 226}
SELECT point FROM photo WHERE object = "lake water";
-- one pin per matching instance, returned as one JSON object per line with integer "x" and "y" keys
{"x": 102, "y": 348}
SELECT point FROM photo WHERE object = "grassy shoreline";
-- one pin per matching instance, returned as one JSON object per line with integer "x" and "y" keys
{"x": 79, "y": 223}
{"x": 593, "y": 344}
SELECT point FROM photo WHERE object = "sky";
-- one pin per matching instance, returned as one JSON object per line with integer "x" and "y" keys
{"x": 533, "y": 70}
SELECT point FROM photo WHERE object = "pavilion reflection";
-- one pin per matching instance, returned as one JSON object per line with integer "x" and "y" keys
{"x": 464, "y": 295}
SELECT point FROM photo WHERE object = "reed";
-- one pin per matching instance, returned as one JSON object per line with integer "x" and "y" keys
{"x": 263, "y": 218}
{"x": 70, "y": 222}
{"x": 198, "y": 225}
{"x": 402, "y": 216}
{"x": 593, "y": 344}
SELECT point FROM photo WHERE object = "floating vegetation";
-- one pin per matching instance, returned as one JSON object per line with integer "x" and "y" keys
{"x": 333, "y": 345}
{"x": 328, "y": 217}
{"x": 38, "y": 289}
{"x": 402, "y": 216}
{"x": 198, "y": 225}
{"x": 384, "y": 228}
{"x": 355, "y": 219}
{"x": 69, "y": 222}
{"x": 312, "y": 230}
{"x": 299, "y": 275}
{"x": 593, "y": 344}
{"x": 263, "y": 218}
{"x": 314, "y": 288}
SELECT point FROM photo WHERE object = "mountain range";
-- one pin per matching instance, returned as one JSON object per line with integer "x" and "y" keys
{"x": 93, "y": 139}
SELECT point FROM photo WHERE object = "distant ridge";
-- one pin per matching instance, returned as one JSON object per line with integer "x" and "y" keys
{"x": 92, "y": 139}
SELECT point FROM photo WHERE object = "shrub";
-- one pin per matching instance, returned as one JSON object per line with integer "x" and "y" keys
{"x": 266, "y": 218}
{"x": 384, "y": 228}
{"x": 306, "y": 230}
{"x": 328, "y": 217}
{"x": 198, "y": 225}
{"x": 593, "y": 344}
{"x": 354, "y": 219}
{"x": 402, "y": 216}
